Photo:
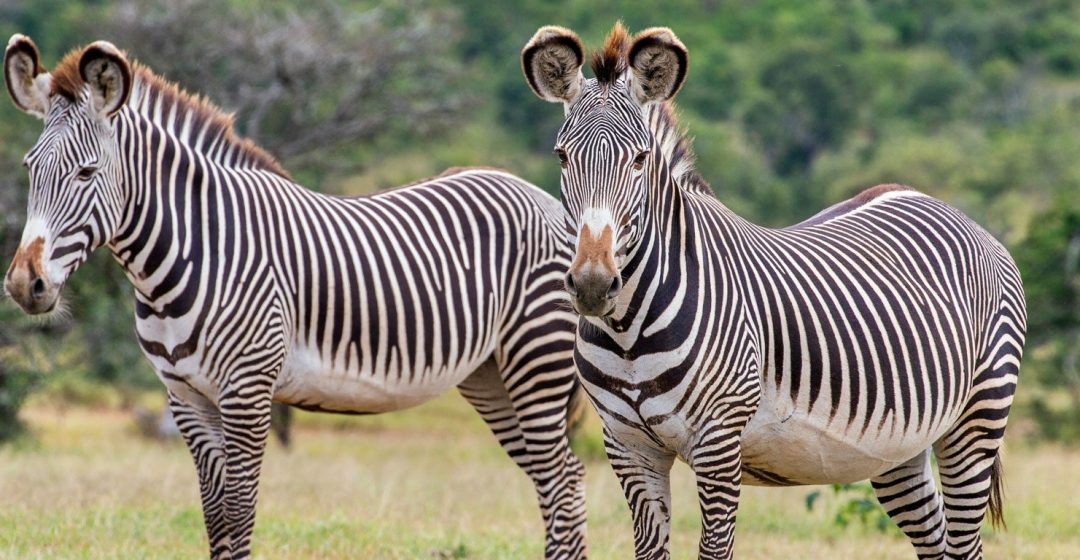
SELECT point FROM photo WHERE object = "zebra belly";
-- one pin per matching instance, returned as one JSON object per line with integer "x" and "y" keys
{"x": 308, "y": 381}
{"x": 782, "y": 446}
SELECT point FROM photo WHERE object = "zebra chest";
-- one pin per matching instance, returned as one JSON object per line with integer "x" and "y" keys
{"x": 175, "y": 349}
{"x": 638, "y": 398}
{"x": 165, "y": 337}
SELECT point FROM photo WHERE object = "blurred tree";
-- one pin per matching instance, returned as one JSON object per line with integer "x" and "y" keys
{"x": 17, "y": 377}
{"x": 307, "y": 81}
{"x": 1050, "y": 261}
{"x": 809, "y": 104}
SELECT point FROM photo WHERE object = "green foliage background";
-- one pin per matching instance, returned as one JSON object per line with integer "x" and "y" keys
{"x": 794, "y": 104}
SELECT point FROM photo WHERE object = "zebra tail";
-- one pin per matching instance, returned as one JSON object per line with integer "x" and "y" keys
{"x": 997, "y": 491}
{"x": 281, "y": 423}
{"x": 576, "y": 407}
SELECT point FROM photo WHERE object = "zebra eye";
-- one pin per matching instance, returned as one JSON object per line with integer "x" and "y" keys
{"x": 564, "y": 161}
{"x": 86, "y": 173}
{"x": 639, "y": 161}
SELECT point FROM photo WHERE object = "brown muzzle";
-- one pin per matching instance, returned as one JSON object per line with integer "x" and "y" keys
{"x": 593, "y": 280}
{"x": 26, "y": 282}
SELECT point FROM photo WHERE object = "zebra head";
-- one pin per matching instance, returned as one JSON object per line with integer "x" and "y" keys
{"x": 605, "y": 146}
{"x": 75, "y": 201}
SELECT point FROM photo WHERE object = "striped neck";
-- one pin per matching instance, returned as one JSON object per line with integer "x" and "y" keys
{"x": 675, "y": 146}
{"x": 182, "y": 172}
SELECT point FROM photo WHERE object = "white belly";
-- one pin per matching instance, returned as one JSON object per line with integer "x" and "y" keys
{"x": 308, "y": 381}
{"x": 793, "y": 447}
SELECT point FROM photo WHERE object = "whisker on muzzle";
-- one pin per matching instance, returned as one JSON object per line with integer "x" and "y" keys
{"x": 566, "y": 305}
{"x": 59, "y": 315}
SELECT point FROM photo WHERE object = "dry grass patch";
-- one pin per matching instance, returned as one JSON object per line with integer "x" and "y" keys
{"x": 427, "y": 483}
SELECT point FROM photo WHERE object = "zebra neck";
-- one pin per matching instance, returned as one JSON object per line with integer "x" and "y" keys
{"x": 180, "y": 215}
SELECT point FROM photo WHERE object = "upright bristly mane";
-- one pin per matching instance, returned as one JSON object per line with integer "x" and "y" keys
{"x": 676, "y": 146}
{"x": 610, "y": 62}
{"x": 192, "y": 118}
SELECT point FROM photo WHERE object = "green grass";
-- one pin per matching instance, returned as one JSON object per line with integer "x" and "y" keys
{"x": 427, "y": 483}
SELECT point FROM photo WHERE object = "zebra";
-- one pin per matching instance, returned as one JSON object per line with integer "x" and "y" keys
{"x": 848, "y": 347}
{"x": 251, "y": 289}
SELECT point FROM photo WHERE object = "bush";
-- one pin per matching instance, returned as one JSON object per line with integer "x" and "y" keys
{"x": 1049, "y": 260}
{"x": 854, "y": 503}
{"x": 20, "y": 366}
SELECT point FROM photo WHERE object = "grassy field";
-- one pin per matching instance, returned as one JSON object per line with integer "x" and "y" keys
{"x": 427, "y": 483}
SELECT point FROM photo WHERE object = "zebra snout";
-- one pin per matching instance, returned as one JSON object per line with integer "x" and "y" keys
{"x": 29, "y": 289}
{"x": 569, "y": 282}
{"x": 593, "y": 292}
{"x": 32, "y": 292}
{"x": 37, "y": 289}
{"x": 613, "y": 289}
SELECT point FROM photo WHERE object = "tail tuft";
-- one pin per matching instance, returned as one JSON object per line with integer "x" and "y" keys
{"x": 997, "y": 494}
{"x": 281, "y": 423}
{"x": 575, "y": 408}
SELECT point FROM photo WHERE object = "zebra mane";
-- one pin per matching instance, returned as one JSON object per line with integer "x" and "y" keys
{"x": 610, "y": 62}
{"x": 190, "y": 117}
{"x": 676, "y": 146}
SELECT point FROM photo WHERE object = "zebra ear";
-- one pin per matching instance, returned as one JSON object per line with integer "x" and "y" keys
{"x": 106, "y": 70}
{"x": 552, "y": 62}
{"x": 659, "y": 61}
{"x": 27, "y": 82}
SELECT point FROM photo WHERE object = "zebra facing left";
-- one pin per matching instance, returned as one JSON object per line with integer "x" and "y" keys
{"x": 250, "y": 288}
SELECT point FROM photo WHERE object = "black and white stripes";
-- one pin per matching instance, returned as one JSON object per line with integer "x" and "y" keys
{"x": 250, "y": 288}
{"x": 844, "y": 348}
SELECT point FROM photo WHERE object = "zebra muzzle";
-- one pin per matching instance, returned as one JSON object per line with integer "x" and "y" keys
{"x": 593, "y": 281}
{"x": 593, "y": 292}
{"x": 25, "y": 283}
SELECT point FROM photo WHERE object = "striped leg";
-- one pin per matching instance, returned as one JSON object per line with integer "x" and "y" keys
{"x": 967, "y": 478}
{"x": 200, "y": 425}
{"x": 245, "y": 418}
{"x": 909, "y": 495}
{"x": 718, "y": 466}
{"x": 646, "y": 482}
{"x": 533, "y": 433}
{"x": 969, "y": 466}
{"x": 968, "y": 456}
{"x": 558, "y": 474}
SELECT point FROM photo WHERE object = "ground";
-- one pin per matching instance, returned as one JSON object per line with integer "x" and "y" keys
{"x": 426, "y": 483}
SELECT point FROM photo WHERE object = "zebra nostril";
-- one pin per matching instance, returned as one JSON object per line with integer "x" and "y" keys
{"x": 616, "y": 285}
{"x": 570, "y": 287}
{"x": 37, "y": 288}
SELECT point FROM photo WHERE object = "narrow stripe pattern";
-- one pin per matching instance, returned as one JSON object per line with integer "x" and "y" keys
{"x": 250, "y": 288}
{"x": 848, "y": 347}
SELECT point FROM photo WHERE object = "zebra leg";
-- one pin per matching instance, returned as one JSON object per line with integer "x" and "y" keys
{"x": 645, "y": 478}
{"x": 969, "y": 469}
{"x": 968, "y": 456}
{"x": 200, "y": 425}
{"x": 533, "y": 432}
{"x": 717, "y": 464}
{"x": 909, "y": 495}
{"x": 245, "y": 418}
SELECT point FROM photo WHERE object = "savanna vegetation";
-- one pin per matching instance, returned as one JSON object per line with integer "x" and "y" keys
{"x": 794, "y": 104}
{"x": 429, "y": 484}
